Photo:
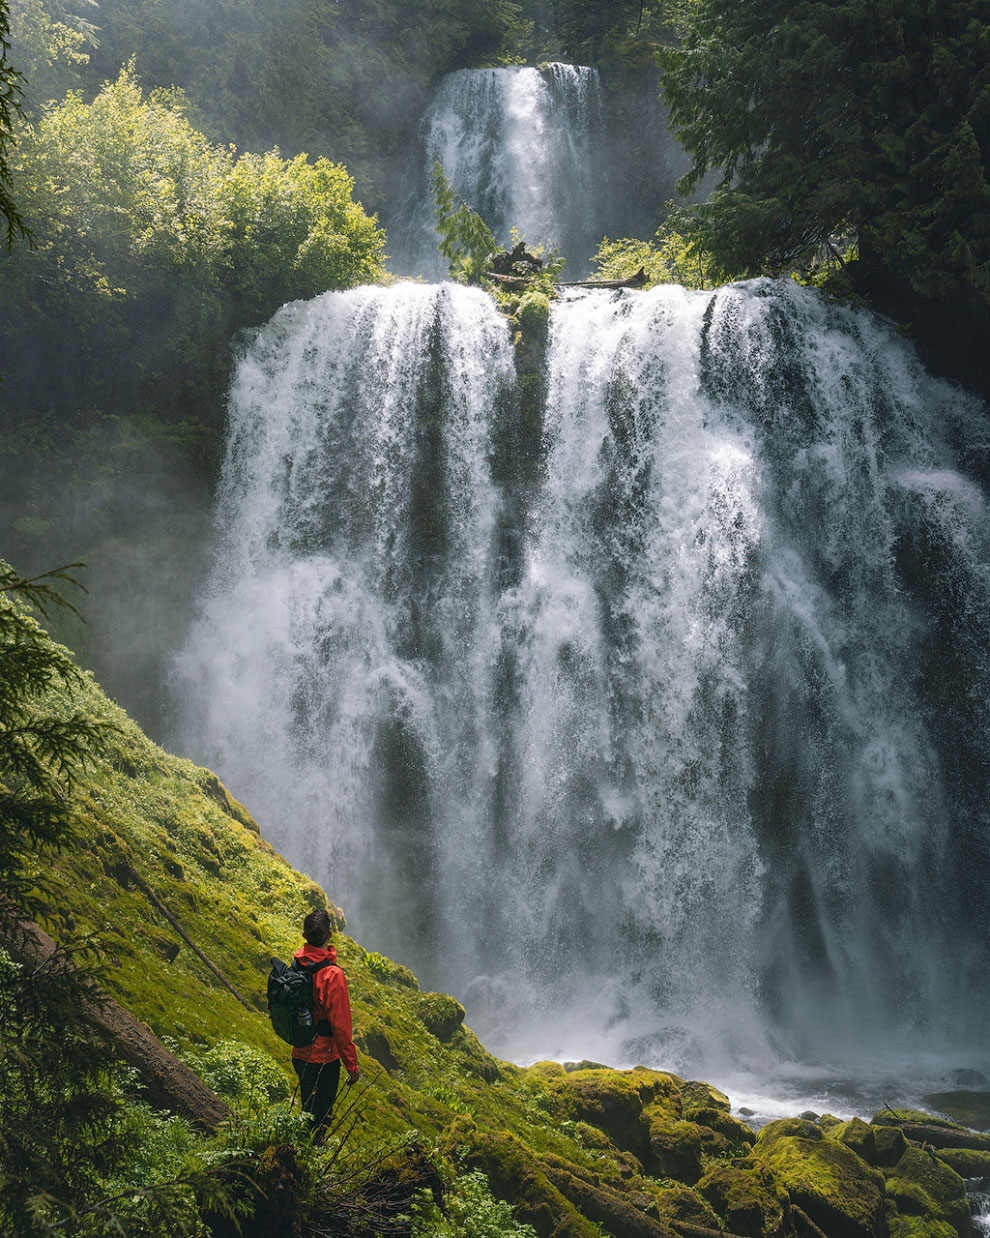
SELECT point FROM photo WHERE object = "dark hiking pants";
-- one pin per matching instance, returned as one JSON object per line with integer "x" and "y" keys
{"x": 318, "y": 1090}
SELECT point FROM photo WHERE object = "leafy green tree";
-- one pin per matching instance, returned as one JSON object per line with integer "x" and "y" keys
{"x": 51, "y": 43}
{"x": 671, "y": 256}
{"x": 466, "y": 241}
{"x": 153, "y": 245}
{"x": 10, "y": 92}
{"x": 845, "y": 131}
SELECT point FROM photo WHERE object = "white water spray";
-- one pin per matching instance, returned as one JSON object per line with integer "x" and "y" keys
{"x": 523, "y": 148}
{"x": 668, "y": 745}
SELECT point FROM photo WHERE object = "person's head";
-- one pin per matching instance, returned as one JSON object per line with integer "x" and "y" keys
{"x": 317, "y": 928}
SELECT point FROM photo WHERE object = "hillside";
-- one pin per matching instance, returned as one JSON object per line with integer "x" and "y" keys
{"x": 171, "y": 873}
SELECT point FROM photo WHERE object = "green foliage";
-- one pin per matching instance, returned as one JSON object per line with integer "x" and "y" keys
{"x": 240, "y": 1073}
{"x": 141, "y": 220}
{"x": 379, "y": 966}
{"x": 592, "y": 31}
{"x": 472, "y": 1212}
{"x": 466, "y": 241}
{"x": 842, "y": 123}
{"x": 45, "y": 738}
{"x": 52, "y": 44}
{"x": 672, "y": 256}
{"x": 10, "y": 91}
{"x": 345, "y": 78}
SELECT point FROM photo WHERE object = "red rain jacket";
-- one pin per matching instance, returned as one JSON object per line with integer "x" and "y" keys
{"x": 331, "y": 1001}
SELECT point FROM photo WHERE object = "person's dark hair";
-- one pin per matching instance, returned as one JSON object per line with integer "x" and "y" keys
{"x": 317, "y": 928}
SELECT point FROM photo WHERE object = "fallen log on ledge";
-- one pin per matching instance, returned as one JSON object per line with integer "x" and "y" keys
{"x": 634, "y": 281}
{"x": 167, "y": 1081}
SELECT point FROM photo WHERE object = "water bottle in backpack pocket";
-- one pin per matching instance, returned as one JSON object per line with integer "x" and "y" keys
{"x": 290, "y": 1002}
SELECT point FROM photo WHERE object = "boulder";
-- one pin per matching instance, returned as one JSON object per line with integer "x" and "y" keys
{"x": 441, "y": 1014}
{"x": 967, "y": 1162}
{"x": 748, "y": 1200}
{"x": 516, "y": 1176}
{"x": 621, "y": 1102}
{"x": 837, "y": 1189}
{"x": 856, "y": 1134}
{"x": 920, "y": 1184}
{"x": 917, "y": 1227}
{"x": 680, "y": 1205}
{"x": 674, "y": 1150}
{"x": 890, "y": 1143}
{"x": 697, "y": 1095}
{"x": 725, "y": 1124}
{"x": 610, "y": 1100}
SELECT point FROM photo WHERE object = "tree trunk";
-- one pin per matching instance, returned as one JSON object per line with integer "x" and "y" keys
{"x": 168, "y": 1082}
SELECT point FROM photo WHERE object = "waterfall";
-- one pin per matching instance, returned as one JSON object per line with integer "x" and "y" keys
{"x": 523, "y": 148}
{"x": 667, "y": 744}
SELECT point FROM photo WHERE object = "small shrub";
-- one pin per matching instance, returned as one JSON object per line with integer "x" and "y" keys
{"x": 240, "y": 1073}
{"x": 473, "y": 1212}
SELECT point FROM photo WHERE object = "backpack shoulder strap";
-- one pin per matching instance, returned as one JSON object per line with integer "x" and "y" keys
{"x": 312, "y": 968}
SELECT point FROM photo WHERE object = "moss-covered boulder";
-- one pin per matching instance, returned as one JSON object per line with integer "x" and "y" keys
{"x": 747, "y": 1200}
{"x": 441, "y": 1014}
{"x": 890, "y": 1144}
{"x": 922, "y": 1185}
{"x": 698, "y": 1095}
{"x": 675, "y": 1149}
{"x": 737, "y": 1133}
{"x": 899, "y": 1226}
{"x": 859, "y": 1136}
{"x": 839, "y": 1191}
{"x": 968, "y": 1107}
{"x": 620, "y": 1102}
{"x": 967, "y": 1162}
{"x": 516, "y": 1176}
{"x": 681, "y": 1205}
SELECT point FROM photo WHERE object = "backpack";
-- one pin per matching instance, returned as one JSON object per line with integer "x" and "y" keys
{"x": 290, "y": 1002}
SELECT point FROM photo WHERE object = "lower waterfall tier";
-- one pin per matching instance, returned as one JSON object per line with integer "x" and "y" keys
{"x": 658, "y": 729}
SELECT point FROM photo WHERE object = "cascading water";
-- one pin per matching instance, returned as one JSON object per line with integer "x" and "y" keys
{"x": 664, "y": 739}
{"x": 523, "y": 147}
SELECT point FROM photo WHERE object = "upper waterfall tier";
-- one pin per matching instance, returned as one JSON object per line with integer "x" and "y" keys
{"x": 523, "y": 147}
{"x": 674, "y": 737}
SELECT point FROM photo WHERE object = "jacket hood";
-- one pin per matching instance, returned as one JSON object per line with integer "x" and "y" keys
{"x": 316, "y": 954}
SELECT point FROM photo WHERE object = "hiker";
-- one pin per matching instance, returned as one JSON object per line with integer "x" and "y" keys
{"x": 318, "y": 1064}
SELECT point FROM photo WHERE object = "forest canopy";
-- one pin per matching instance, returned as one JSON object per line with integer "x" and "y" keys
{"x": 845, "y": 131}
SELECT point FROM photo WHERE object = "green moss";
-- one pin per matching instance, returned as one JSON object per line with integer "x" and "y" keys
{"x": 917, "y": 1227}
{"x": 967, "y": 1162}
{"x": 152, "y": 824}
{"x": 856, "y": 1134}
{"x": 890, "y": 1144}
{"x": 748, "y": 1201}
{"x": 736, "y": 1133}
{"x": 696, "y": 1095}
{"x": 441, "y": 1015}
{"x": 686, "y": 1206}
{"x": 970, "y": 1108}
{"x": 515, "y": 1176}
{"x": 835, "y": 1187}
{"x": 923, "y": 1185}
{"x": 533, "y": 314}
{"x": 675, "y": 1149}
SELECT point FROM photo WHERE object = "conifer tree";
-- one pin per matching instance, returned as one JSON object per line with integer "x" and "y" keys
{"x": 845, "y": 130}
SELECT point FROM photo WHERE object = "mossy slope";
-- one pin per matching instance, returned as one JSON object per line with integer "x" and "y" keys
{"x": 637, "y": 1152}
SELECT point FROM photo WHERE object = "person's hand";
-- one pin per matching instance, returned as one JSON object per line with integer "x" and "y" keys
{"x": 352, "y": 1077}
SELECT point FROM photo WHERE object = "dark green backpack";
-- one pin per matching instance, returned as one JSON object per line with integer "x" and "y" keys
{"x": 290, "y": 1002}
